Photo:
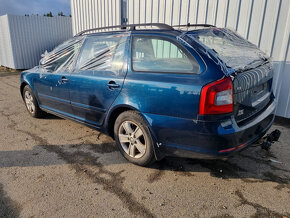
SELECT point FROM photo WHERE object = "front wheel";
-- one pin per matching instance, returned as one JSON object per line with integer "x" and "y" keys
{"x": 133, "y": 138}
{"x": 31, "y": 103}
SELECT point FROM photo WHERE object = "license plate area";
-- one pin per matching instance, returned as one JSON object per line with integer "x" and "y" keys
{"x": 259, "y": 89}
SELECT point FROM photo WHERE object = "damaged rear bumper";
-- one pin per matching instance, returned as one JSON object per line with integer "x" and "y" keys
{"x": 207, "y": 139}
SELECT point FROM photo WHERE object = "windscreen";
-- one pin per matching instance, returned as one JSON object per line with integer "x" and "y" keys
{"x": 235, "y": 51}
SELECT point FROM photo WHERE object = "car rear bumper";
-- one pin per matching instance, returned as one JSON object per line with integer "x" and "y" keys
{"x": 207, "y": 139}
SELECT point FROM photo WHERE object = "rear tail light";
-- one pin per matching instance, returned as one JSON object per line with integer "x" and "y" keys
{"x": 217, "y": 97}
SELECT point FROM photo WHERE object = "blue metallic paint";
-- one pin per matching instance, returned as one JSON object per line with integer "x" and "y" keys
{"x": 52, "y": 92}
{"x": 168, "y": 102}
{"x": 197, "y": 137}
{"x": 156, "y": 93}
{"x": 90, "y": 94}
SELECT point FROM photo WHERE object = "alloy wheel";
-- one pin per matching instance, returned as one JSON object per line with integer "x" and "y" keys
{"x": 132, "y": 139}
{"x": 29, "y": 102}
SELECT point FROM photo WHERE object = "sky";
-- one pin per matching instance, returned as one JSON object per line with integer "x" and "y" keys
{"x": 22, "y": 7}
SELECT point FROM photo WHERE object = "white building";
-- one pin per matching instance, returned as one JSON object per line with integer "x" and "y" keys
{"x": 24, "y": 38}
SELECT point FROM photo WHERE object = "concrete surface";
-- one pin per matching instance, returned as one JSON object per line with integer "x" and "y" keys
{"x": 57, "y": 168}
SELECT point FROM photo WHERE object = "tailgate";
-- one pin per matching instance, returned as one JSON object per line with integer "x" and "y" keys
{"x": 252, "y": 92}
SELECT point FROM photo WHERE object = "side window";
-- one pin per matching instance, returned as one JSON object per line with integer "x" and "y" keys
{"x": 154, "y": 54}
{"x": 62, "y": 56}
{"x": 102, "y": 53}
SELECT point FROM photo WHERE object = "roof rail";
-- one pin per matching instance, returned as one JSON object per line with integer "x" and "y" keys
{"x": 194, "y": 25}
{"x": 129, "y": 27}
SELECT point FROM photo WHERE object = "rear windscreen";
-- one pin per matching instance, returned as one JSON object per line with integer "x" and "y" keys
{"x": 235, "y": 51}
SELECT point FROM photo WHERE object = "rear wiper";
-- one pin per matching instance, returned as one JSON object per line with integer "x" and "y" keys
{"x": 254, "y": 61}
{"x": 250, "y": 65}
{"x": 214, "y": 50}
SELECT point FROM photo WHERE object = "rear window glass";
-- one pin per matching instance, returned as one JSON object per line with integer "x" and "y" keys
{"x": 235, "y": 51}
{"x": 153, "y": 54}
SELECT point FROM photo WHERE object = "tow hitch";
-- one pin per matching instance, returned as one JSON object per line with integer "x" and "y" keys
{"x": 270, "y": 139}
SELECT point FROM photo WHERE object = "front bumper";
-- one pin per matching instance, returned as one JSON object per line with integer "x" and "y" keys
{"x": 207, "y": 139}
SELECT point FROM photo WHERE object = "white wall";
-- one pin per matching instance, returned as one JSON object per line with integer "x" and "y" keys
{"x": 6, "y": 56}
{"x": 266, "y": 23}
{"x": 24, "y": 38}
{"x": 88, "y": 14}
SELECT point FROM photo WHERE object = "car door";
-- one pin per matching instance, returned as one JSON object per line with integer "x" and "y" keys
{"x": 52, "y": 83}
{"x": 98, "y": 76}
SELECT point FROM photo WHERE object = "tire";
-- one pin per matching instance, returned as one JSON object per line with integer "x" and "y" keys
{"x": 31, "y": 103}
{"x": 134, "y": 139}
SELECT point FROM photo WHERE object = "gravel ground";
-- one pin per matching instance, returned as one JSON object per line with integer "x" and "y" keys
{"x": 54, "y": 167}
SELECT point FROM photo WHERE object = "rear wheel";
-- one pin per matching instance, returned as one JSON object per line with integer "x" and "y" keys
{"x": 133, "y": 138}
{"x": 31, "y": 103}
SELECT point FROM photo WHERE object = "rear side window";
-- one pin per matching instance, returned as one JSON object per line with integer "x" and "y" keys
{"x": 155, "y": 54}
{"x": 102, "y": 53}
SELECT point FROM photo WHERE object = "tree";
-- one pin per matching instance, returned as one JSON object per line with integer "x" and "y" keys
{"x": 60, "y": 14}
{"x": 48, "y": 14}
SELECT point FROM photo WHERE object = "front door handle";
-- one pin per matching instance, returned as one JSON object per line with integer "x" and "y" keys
{"x": 64, "y": 79}
{"x": 113, "y": 85}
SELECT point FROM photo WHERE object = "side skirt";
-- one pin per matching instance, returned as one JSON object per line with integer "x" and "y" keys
{"x": 98, "y": 128}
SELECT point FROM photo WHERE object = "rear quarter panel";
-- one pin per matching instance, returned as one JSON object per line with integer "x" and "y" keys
{"x": 168, "y": 94}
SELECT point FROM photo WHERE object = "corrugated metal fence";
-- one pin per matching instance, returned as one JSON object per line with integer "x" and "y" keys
{"x": 265, "y": 23}
{"x": 87, "y": 14}
{"x": 24, "y": 38}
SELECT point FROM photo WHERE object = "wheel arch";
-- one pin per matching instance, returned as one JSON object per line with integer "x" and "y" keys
{"x": 23, "y": 84}
{"x": 115, "y": 112}
{"x": 112, "y": 116}
{"x": 26, "y": 83}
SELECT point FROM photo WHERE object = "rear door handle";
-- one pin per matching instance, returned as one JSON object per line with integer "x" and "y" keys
{"x": 64, "y": 79}
{"x": 113, "y": 85}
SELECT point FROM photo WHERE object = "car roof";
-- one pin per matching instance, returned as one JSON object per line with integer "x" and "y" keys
{"x": 145, "y": 32}
{"x": 133, "y": 28}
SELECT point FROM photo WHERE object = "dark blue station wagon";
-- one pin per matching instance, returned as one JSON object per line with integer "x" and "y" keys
{"x": 192, "y": 91}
